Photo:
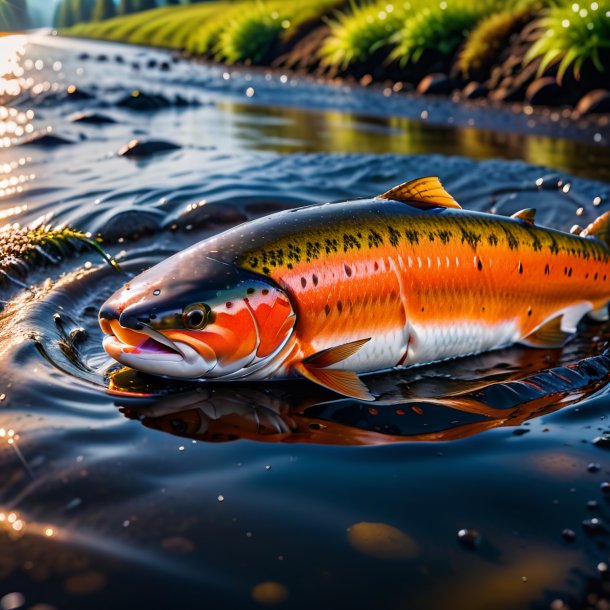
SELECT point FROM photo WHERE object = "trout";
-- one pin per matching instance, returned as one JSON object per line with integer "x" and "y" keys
{"x": 332, "y": 291}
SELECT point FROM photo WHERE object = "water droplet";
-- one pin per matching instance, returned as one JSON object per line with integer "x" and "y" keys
{"x": 11, "y": 601}
{"x": 469, "y": 537}
{"x": 568, "y": 535}
{"x": 156, "y": 292}
{"x": 268, "y": 467}
{"x": 602, "y": 567}
{"x": 605, "y": 487}
{"x": 250, "y": 92}
{"x": 221, "y": 498}
{"x": 597, "y": 201}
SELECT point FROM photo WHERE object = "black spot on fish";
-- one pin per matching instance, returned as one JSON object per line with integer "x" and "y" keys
{"x": 570, "y": 272}
{"x": 376, "y": 266}
{"x": 595, "y": 276}
{"x": 375, "y": 240}
{"x": 294, "y": 253}
{"x": 412, "y": 236}
{"x": 492, "y": 238}
{"x": 479, "y": 265}
{"x": 266, "y": 270}
{"x": 444, "y": 236}
{"x": 470, "y": 237}
{"x": 520, "y": 267}
{"x": 431, "y": 236}
{"x": 331, "y": 245}
{"x": 312, "y": 250}
{"x": 547, "y": 269}
{"x": 554, "y": 248}
{"x": 303, "y": 282}
{"x": 348, "y": 270}
{"x": 289, "y": 265}
{"x": 339, "y": 306}
{"x": 350, "y": 242}
{"x": 529, "y": 311}
{"x": 253, "y": 262}
{"x": 314, "y": 279}
{"x": 250, "y": 291}
{"x": 394, "y": 236}
{"x": 511, "y": 241}
{"x": 326, "y": 310}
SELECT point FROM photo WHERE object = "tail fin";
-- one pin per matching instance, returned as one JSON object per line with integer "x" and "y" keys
{"x": 599, "y": 228}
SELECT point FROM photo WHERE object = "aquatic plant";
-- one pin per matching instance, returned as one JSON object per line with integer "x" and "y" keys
{"x": 572, "y": 34}
{"x": 487, "y": 39}
{"x": 360, "y": 32}
{"x": 21, "y": 247}
{"x": 440, "y": 28}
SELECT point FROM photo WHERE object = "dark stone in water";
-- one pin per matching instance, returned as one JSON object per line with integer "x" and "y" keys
{"x": 164, "y": 66}
{"x": 593, "y": 526}
{"x": 543, "y": 91}
{"x": 92, "y": 118}
{"x": 151, "y": 63}
{"x": 119, "y": 59}
{"x": 82, "y": 56}
{"x": 75, "y": 94}
{"x": 102, "y": 57}
{"x": 602, "y": 441}
{"x": 594, "y": 102}
{"x": 520, "y": 431}
{"x": 474, "y": 90}
{"x": 436, "y": 84}
{"x": 605, "y": 487}
{"x": 43, "y": 138}
{"x": 139, "y": 100}
{"x": 138, "y": 148}
{"x": 593, "y": 467}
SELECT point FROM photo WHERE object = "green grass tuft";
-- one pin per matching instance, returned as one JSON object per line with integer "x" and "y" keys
{"x": 440, "y": 28}
{"x": 487, "y": 39}
{"x": 572, "y": 34}
{"x": 361, "y": 32}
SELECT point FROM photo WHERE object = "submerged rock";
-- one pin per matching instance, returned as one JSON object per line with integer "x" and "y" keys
{"x": 142, "y": 101}
{"x": 139, "y": 148}
{"x": 92, "y": 118}
{"x": 44, "y": 138}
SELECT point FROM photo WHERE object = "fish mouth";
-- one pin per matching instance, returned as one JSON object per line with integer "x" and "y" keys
{"x": 145, "y": 343}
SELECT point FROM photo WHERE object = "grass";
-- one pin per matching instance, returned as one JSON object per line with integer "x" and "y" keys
{"x": 486, "y": 40}
{"x": 358, "y": 34}
{"x": 440, "y": 28}
{"x": 239, "y": 31}
{"x": 21, "y": 247}
{"x": 571, "y": 35}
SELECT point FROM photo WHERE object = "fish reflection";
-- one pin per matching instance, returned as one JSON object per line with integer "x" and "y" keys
{"x": 425, "y": 406}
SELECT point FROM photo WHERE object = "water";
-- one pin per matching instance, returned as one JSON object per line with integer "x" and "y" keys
{"x": 122, "y": 490}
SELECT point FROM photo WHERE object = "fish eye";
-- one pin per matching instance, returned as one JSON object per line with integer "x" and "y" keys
{"x": 196, "y": 316}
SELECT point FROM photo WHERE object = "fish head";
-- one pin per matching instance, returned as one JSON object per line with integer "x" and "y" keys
{"x": 197, "y": 317}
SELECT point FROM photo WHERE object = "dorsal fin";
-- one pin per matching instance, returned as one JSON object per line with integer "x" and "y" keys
{"x": 599, "y": 228}
{"x": 423, "y": 192}
{"x": 527, "y": 215}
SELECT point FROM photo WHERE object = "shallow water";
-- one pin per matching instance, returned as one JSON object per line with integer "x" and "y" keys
{"x": 121, "y": 490}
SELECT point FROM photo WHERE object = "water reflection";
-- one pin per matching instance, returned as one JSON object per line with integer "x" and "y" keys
{"x": 437, "y": 403}
{"x": 12, "y": 49}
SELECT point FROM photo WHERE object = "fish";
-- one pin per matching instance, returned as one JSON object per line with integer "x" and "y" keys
{"x": 334, "y": 291}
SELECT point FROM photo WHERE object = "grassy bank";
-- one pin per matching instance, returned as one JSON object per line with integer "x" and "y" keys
{"x": 539, "y": 51}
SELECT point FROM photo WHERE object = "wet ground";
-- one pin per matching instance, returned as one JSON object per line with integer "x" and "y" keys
{"x": 478, "y": 483}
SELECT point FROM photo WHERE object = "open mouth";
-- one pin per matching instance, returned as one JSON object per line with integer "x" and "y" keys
{"x": 145, "y": 343}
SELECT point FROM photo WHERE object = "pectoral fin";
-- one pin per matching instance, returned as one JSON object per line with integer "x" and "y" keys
{"x": 549, "y": 335}
{"x": 347, "y": 383}
{"x": 342, "y": 382}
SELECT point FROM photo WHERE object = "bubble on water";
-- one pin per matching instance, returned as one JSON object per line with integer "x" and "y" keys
{"x": 221, "y": 498}
{"x": 592, "y": 504}
{"x": 568, "y": 535}
{"x": 11, "y": 601}
{"x": 605, "y": 487}
{"x": 469, "y": 537}
{"x": 267, "y": 466}
{"x": 593, "y": 467}
{"x": 603, "y": 441}
{"x": 156, "y": 292}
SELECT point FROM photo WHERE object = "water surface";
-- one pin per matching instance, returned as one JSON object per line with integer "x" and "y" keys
{"x": 121, "y": 490}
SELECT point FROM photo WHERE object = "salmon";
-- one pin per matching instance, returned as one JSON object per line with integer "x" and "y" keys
{"x": 329, "y": 292}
